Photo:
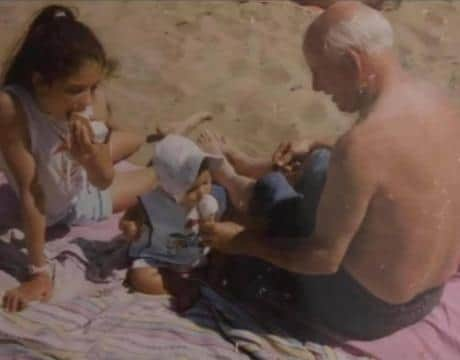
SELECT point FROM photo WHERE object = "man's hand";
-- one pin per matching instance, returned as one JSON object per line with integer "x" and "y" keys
{"x": 222, "y": 236}
{"x": 289, "y": 156}
{"x": 38, "y": 288}
{"x": 290, "y": 151}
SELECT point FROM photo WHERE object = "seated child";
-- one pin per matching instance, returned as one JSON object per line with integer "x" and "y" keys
{"x": 163, "y": 225}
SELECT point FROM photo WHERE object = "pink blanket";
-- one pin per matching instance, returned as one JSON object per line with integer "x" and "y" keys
{"x": 435, "y": 337}
{"x": 93, "y": 316}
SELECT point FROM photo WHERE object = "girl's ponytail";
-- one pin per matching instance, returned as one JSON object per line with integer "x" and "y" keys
{"x": 55, "y": 46}
{"x": 52, "y": 13}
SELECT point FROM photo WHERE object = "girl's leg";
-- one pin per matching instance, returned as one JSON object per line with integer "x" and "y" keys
{"x": 180, "y": 127}
{"x": 127, "y": 186}
{"x": 124, "y": 143}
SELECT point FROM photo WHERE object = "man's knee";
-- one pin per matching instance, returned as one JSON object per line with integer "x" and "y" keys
{"x": 275, "y": 200}
{"x": 314, "y": 173}
{"x": 222, "y": 198}
{"x": 270, "y": 191}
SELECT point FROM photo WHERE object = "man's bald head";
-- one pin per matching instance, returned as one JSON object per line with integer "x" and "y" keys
{"x": 349, "y": 24}
{"x": 340, "y": 47}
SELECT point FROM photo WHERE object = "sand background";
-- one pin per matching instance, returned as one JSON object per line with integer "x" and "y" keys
{"x": 240, "y": 60}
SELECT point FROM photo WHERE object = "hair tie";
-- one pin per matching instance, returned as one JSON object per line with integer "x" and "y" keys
{"x": 60, "y": 13}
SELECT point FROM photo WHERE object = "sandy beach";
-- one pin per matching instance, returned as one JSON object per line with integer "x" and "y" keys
{"x": 242, "y": 61}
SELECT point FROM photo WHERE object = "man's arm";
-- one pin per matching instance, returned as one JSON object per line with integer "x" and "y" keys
{"x": 343, "y": 205}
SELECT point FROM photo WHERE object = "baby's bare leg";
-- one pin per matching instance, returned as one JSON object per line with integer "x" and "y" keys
{"x": 150, "y": 280}
{"x": 147, "y": 280}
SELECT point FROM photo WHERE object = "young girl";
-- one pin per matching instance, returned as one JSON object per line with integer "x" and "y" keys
{"x": 164, "y": 224}
{"x": 59, "y": 162}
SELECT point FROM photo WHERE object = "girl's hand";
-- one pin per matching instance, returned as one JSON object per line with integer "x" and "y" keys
{"x": 38, "y": 288}
{"x": 80, "y": 141}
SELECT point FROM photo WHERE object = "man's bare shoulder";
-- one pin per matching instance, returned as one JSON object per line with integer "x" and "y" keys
{"x": 354, "y": 144}
{"x": 357, "y": 155}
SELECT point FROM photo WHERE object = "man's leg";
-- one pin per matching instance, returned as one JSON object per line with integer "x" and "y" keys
{"x": 291, "y": 211}
{"x": 310, "y": 184}
{"x": 290, "y": 214}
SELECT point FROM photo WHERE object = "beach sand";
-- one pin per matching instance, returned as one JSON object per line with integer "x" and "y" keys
{"x": 242, "y": 61}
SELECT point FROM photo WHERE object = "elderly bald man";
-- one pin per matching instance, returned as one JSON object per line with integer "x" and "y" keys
{"x": 372, "y": 257}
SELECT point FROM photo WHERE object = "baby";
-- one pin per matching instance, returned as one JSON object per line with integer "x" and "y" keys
{"x": 163, "y": 225}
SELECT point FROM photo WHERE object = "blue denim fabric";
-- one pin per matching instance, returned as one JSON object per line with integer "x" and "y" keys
{"x": 220, "y": 194}
{"x": 291, "y": 211}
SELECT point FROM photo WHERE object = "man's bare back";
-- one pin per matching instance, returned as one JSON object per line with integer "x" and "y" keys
{"x": 407, "y": 242}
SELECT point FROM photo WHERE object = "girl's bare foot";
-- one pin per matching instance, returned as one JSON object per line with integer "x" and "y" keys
{"x": 180, "y": 128}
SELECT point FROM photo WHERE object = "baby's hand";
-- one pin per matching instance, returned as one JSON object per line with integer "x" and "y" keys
{"x": 130, "y": 228}
{"x": 131, "y": 223}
